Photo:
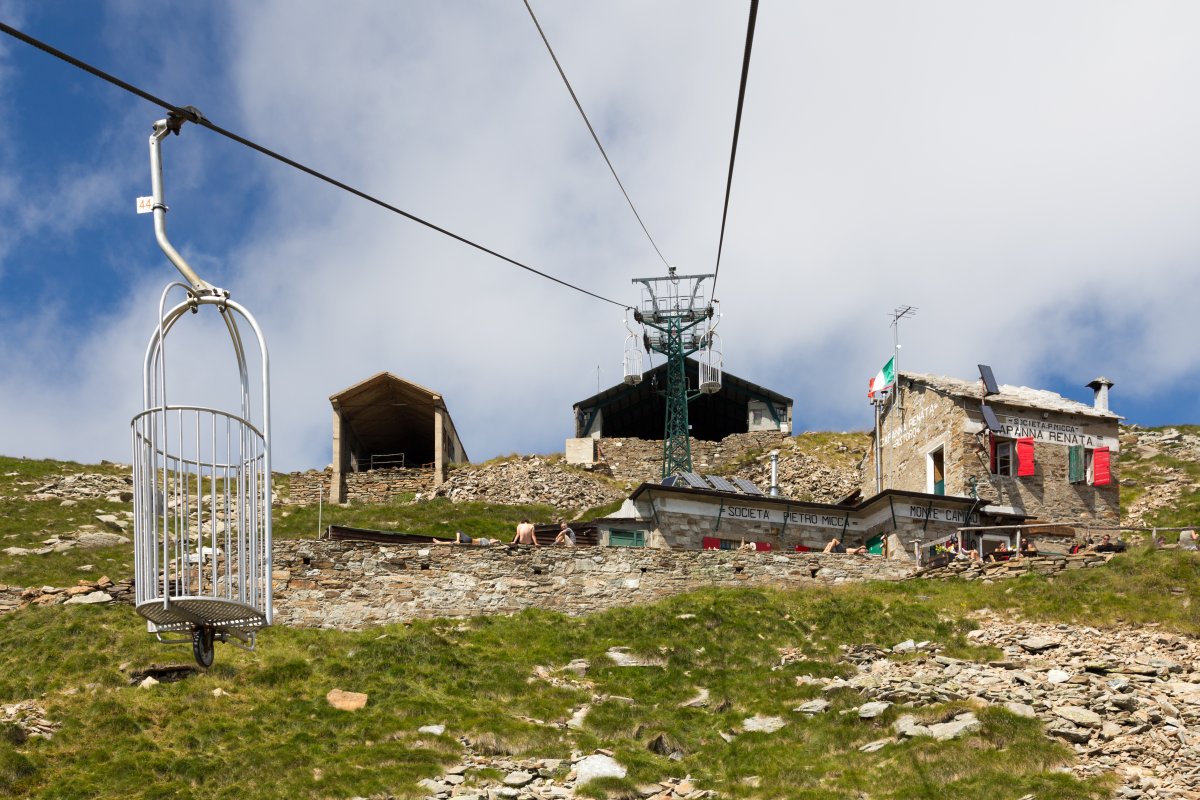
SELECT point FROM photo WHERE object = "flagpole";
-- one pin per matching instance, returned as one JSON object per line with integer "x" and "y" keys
{"x": 878, "y": 452}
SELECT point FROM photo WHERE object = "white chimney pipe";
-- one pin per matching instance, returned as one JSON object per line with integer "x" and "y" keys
{"x": 1101, "y": 386}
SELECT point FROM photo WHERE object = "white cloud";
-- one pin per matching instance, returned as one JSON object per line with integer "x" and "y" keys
{"x": 1023, "y": 173}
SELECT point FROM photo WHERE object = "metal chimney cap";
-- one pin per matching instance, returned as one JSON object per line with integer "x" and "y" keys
{"x": 1101, "y": 381}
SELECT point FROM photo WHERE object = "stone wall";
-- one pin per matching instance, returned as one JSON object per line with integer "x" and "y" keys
{"x": 373, "y": 486}
{"x": 1042, "y": 565}
{"x": 355, "y": 584}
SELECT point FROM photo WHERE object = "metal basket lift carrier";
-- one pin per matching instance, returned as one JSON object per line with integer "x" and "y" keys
{"x": 201, "y": 478}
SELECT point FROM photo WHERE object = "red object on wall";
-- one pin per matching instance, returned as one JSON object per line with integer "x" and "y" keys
{"x": 710, "y": 543}
{"x": 992, "y": 453}
{"x": 1101, "y": 471}
{"x": 802, "y": 548}
{"x": 1025, "y": 466}
{"x": 760, "y": 546}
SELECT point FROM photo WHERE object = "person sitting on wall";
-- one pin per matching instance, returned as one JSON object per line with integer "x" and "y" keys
{"x": 1001, "y": 553}
{"x": 963, "y": 554}
{"x": 1028, "y": 549}
{"x": 525, "y": 534}
{"x": 746, "y": 545}
{"x": 1189, "y": 540}
{"x": 1107, "y": 545}
{"x": 836, "y": 546}
{"x": 566, "y": 536}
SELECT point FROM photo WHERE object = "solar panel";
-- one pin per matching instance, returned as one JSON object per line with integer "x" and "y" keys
{"x": 670, "y": 480}
{"x": 694, "y": 480}
{"x": 989, "y": 417}
{"x": 747, "y": 487}
{"x": 989, "y": 380}
{"x": 720, "y": 483}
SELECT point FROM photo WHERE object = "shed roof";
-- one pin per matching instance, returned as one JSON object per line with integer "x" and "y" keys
{"x": 1019, "y": 396}
{"x": 388, "y": 413}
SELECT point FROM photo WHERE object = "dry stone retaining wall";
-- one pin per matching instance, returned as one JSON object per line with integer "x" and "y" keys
{"x": 337, "y": 584}
{"x": 373, "y": 486}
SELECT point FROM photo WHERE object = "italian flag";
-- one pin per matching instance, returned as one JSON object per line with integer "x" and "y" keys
{"x": 886, "y": 378}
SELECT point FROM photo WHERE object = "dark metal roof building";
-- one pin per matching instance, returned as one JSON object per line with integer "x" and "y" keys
{"x": 639, "y": 411}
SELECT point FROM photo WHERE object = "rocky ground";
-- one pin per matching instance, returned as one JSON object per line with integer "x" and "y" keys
{"x": 1160, "y": 485}
{"x": 1126, "y": 701}
{"x": 529, "y": 479}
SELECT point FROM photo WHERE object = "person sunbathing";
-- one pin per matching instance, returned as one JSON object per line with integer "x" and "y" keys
{"x": 836, "y": 546}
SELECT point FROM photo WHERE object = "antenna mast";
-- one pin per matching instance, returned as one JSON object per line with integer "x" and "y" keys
{"x": 899, "y": 313}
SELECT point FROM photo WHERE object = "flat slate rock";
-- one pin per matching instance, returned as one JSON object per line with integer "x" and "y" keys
{"x": 597, "y": 766}
{"x": 1036, "y": 644}
{"x": 872, "y": 710}
{"x": 760, "y": 724}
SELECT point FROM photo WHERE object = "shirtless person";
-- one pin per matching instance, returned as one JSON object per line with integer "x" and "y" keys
{"x": 525, "y": 534}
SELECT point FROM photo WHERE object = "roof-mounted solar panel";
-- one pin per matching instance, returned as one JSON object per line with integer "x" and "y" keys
{"x": 694, "y": 480}
{"x": 989, "y": 380}
{"x": 671, "y": 480}
{"x": 989, "y": 419}
{"x": 720, "y": 483}
{"x": 748, "y": 487}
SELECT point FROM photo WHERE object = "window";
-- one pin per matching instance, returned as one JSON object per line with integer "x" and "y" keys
{"x": 1099, "y": 466}
{"x": 1012, "y": 457}
{"x": 1002, "y": 456}
{"x": 626, "y": 538}
{"x": 1078, "y": 465}
{"x": 936, "y": 467}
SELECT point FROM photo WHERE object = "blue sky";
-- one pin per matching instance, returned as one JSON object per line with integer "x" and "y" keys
{"x": 1022, "y": 172}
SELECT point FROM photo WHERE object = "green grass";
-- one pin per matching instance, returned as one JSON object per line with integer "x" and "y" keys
{"x": 27, "y": 523}
{"x": 437, "y": 517}
{"x": 274, "y": 731}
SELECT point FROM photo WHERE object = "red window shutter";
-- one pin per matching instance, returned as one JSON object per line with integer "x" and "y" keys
{"x": 762, "y": 546}
{"x": 992, "y": 453}
{"x": 1025, "y": 457}
{"x": 1101, "y": 473}
{"x": 711, "y": 543}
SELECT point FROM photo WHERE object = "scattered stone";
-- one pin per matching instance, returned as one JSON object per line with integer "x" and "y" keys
{"x": 907, "y": 646}
{"x": 91, "y": 598}
{"x": 434, "y": 730}
{"x": 871, "y": 747}
{"x": 1037, "y": 644}
{"x": 699, "y": 701}
{"x": 597, "y": 766}
{"x": 518, "y": 779}
{"x": 148, "y": 682}
{"x": 818, "y": 706}
{"x": 1080, "y": 716}
{"x": 1058, "y": 676}
{"x": 873, "y": 710}
{"x": 623, "y": 657}
{"x": 762, "y": 724}
{"x": 346, "y": 701}
{"x": 959, "y": 726}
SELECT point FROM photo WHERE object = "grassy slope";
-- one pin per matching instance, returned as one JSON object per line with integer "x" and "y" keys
{"x": 1142, "y": 472}
{"x": 27, "y": 523}
{"x": 274, "y": 728}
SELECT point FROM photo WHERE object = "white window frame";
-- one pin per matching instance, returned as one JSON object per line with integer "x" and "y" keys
{"x": 1010, "y": 447}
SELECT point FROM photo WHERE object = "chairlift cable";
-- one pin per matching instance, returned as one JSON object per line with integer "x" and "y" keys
{"x": 737, "y": 126}
{"x": 191, "y": 114}
{"x": 592, "y": 130}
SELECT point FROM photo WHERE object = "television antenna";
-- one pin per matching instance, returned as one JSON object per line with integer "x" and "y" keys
{"x": 683, "y": 323}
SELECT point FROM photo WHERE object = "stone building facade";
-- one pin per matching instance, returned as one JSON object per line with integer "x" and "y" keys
{"x": 1041, "y": 456}
{"x": 896, "y": 524}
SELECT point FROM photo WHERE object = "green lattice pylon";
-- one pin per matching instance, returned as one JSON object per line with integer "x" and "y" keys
{"x": 673, "y": 307}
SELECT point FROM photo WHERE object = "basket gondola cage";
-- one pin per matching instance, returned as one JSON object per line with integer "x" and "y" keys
{"x": 632, "y": 370}
{"x": 711, "y": 361}
{"x": 201, "y": 478}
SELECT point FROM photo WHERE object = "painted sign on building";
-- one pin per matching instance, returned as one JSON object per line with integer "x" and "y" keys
{"x": 1063, "y": 433}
